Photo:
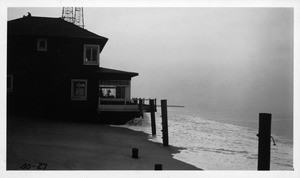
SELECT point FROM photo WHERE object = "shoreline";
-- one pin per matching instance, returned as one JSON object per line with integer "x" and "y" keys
{"x": 63, "y": 145}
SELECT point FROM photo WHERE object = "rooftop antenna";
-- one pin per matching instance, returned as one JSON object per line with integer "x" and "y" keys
{"x": 67, "y": 14}
{"x": 73, "y": 15}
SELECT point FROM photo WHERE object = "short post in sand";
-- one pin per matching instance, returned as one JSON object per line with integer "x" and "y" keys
{"x": 264, "y": 141}
{"x": 152, "y": 110}
{"x": 158, "y": 167}
{"x": 164, "y": 115}
{"x": 135, "y": 153}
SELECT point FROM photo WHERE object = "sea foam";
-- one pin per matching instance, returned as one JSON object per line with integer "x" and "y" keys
{"x": 213, "y": 145}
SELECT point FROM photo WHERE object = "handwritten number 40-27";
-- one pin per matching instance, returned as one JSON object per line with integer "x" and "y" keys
{"x": 41, "y": 166}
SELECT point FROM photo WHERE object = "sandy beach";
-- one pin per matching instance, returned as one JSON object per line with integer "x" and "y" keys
{"x": 61, "y": 145}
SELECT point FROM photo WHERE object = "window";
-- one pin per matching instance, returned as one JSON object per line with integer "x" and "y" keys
{"x": 42, "y": 44}
{"x": 78, "y": 89}
{"x": 9, "y": 83}
{"x": 91, "y": 55}
{"x": 107, "y": 92}
{"x": 114, "y": 89}
{"x": 120, "y": 92}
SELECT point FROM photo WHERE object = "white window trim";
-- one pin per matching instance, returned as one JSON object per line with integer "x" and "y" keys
{"x": 84, "y": 53}
{"x": 39, "y": 48}
{"x": 11, "y": 78}
{"x": 80, "y": 98}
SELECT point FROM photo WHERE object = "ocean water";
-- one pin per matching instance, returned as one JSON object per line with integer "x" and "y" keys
{"x": 216, "y": 143}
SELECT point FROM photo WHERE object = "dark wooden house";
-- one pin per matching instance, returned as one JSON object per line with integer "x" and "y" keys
{"x": 53, "y": 69}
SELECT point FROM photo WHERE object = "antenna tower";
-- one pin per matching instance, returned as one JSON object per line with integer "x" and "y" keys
{"x": 78, "y": 17}
{"x": 67, "y": 14}
{"x": 73, "y": 15}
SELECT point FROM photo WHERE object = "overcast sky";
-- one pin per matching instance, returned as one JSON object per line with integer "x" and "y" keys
{"x": 220, "y": 60}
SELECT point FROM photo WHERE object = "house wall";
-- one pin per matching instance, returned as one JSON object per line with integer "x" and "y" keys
{"x": 42, "y": 80}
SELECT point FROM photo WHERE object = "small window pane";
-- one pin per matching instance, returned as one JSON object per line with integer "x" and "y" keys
{"x": 79, "y": 89}
{"x": 94, "y": 55}
{"x": 42, "y": 44}
{"x": 120, "y": 92}
{"x": 109, "y": 92}
{"x": 88, "y": 54}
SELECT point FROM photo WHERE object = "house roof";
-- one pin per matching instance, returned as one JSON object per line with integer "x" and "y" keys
{"x": 116, "y": 72}
{"x": 46, "y": 26}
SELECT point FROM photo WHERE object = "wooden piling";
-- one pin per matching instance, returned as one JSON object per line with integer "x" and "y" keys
{"x": 164, "y": 115}
{"x": 264, "y": 141}
{"x": 141, "y": 107}
{"x": 152, "y": 112}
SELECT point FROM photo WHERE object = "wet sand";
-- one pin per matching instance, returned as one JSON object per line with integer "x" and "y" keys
{"x": 62, "y": 145}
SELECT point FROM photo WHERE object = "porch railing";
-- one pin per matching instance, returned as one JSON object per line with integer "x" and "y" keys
{"x": 116, "y": 104}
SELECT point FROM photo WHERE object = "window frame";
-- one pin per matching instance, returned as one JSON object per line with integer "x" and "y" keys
{"x": 38, "y": 44}
{"x": 11, "y": 78}
{"x": 85, "y": 46}
{"x": 78, "y": 98}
